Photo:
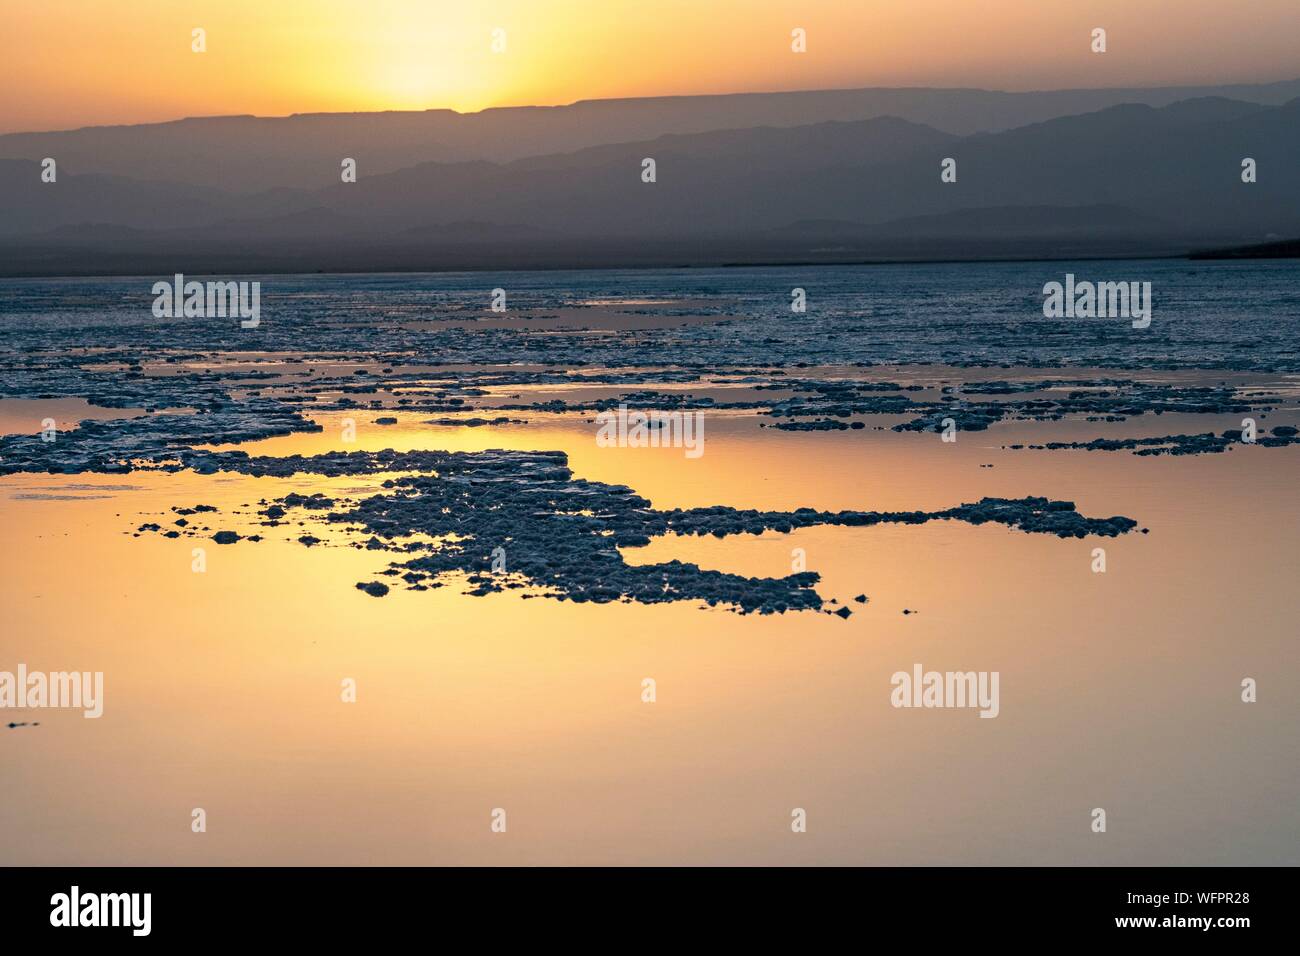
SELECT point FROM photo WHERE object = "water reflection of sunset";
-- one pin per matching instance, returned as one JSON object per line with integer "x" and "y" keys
{"x": 466, "y": 703}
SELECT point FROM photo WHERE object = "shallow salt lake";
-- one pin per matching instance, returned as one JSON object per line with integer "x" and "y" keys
{"x": 1118, "y": 690}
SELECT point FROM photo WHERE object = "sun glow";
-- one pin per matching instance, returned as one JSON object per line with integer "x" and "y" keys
{"x": 131, "y": 61}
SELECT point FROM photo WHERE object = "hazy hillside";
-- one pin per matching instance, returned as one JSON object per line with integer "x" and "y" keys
{"x": 252, "y": 154}
{"x": 1124, "y": 179}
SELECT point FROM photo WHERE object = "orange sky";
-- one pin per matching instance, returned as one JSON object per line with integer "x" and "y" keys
{"x": 67, "y": 63}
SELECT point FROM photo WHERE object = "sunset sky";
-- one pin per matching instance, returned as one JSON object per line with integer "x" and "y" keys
{"x": 68, "y": 63}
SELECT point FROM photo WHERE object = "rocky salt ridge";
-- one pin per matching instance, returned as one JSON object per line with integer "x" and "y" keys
{"x": 1205, "y": 443}
{"x": 246, "y": 403}
{"x": 122, "y": 445}
{"x": 561, "y": 535}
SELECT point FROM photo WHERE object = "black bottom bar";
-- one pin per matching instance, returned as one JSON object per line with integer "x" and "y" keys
{"x": 669, "y": 905}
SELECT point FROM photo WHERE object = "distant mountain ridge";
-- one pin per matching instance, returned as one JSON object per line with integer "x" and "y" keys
{"x": 252, "y": 154}
{"x": 1128, "y": 178}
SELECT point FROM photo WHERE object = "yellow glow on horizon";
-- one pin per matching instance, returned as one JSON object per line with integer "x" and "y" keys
{"x": 67, "y": 63}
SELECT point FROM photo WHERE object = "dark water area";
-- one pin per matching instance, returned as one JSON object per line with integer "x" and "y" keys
{"x": 1217, "y": 315}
